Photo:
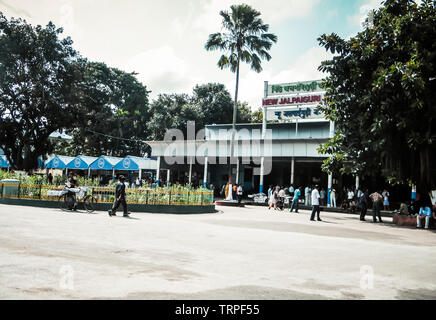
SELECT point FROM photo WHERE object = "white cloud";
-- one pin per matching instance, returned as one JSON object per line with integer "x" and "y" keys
{"x": 208, "y": 19}
{"x": 162, "y": 71}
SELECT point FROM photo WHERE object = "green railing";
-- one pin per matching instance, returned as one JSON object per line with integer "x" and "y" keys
{"x": 149, "y": 196}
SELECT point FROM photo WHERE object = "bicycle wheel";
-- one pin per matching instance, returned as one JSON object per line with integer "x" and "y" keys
{"x": 63, "y": 203}
{"x": 66, "y": 202}
{"x": 89, "y": 203}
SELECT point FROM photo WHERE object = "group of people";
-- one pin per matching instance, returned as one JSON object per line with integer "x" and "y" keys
{"x": 316, "y": 197}
{"x": 237, "y": 191}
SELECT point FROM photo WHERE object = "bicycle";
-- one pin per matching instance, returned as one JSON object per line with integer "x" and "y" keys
{"x": 67, "y": 201}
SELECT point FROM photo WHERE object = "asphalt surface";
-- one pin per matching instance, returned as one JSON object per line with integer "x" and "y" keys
{"x": 237, "y": 253}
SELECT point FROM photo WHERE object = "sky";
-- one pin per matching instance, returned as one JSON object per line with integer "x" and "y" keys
{"x": 163, "y": 41}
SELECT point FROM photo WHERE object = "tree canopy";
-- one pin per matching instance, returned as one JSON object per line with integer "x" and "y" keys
{"x": 381, "y": 94}
{"x": 39, "y": 79}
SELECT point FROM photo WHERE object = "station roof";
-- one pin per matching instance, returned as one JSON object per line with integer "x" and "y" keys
{"x": 59, "y": 162}
{"x": 136, "y": 163}
{"x": 105, "y": 163}
{"x": 81, "y": 162}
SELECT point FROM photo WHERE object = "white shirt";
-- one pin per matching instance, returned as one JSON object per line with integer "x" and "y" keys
{"x": 240, "y": 191}
{"x": 315, "y": 197}
{"x": 350, "y": 195}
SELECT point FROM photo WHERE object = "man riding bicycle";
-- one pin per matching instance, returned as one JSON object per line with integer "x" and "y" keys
{"x": 71, "y": 186}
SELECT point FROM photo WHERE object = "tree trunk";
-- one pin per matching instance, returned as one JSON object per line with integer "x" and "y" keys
{"x": 235, "y": 110}
{"x": 424, "y": 183}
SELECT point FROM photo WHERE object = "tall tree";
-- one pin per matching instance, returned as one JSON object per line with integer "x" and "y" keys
{"x": 116, "y": 112}
{"x": 216, "y": 106}
{"x": 39, "y": 75}
{"x": 381, "y": 93}
{"x": 246, "y": 39}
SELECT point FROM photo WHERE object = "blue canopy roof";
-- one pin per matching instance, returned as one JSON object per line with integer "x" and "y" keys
{"x": 81, "y": 162}
{"x": 136, "y": 163}
{"x": 4, "y": 163}
{"x": 105, "y": 163}
{"x": 58, "y": 162}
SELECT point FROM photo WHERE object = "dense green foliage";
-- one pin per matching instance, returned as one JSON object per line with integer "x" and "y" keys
{"x": 381, "y": 93}
{"x": 39, "y": 79}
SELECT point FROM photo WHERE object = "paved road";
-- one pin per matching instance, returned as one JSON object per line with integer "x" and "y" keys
{"x": 238, "y": 253}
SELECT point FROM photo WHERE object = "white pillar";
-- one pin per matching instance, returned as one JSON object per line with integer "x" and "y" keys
{"x": 357, "y": 183}
{"x": 157, "y": 170}
{"x": 89, "y": 172}
{"x": 237, "y": 171}
{"x": 262, "y": 170}
{"x": 205, "y": 172}
{"x": 292, "y": 171}
{"x": 264, "y": 118}
{"x": 332, "y": 129}
{"x": 113, "y": 173}
{"x": 168, "y": 177}
{"x": 329, "y": 189}
{"x": 190, "y": 170}
{"x": 140, "y": 174}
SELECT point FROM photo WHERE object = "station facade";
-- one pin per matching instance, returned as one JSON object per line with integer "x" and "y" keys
{"x": 283, "y": 150}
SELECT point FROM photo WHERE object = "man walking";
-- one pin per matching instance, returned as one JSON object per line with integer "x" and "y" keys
{"x": 376, "y": 199}
{"x": 297, "y": 193}
{"x": 120, "y": 198}
{"x": 315, "y": 204}
{"x": 363, "y": 204}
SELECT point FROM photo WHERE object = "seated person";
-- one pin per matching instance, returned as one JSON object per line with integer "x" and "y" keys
{"x": 424, "y": 212}
{"x": 404, "y": 210}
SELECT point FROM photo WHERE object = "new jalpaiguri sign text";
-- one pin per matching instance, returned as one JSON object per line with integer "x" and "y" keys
{"x": 297, "y": 100}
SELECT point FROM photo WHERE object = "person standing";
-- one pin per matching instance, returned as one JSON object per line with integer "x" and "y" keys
{"x": 350, "y": 197}
{"x": 120, "y": 198}
{"x": 385, "y": 195}
{"x": 294, "y": 204}
{"x": 376, "y": 199}
{"x": 315, "y": 204}
{"x": 307, "y": 196}
{"x": 239, "y": 192}
{"x": 50, "y": 178}
{"x": 333, "y": 198}
{"x": 322, "y": 195}
{"x": 275, "y": 197}
{"x": 291, "y": 190}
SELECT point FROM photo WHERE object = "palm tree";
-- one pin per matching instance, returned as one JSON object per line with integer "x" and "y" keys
{"x": 246, "y": 39}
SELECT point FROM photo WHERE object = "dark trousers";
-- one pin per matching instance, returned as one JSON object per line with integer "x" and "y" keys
{"x": 317, "y": 210}
{"x": 239, "y": 198}
{"x": 294, "y": 205}
{"x": 117, "y": 203}
{"x": 363, "y": 211}
{"x": 376, "y": 212}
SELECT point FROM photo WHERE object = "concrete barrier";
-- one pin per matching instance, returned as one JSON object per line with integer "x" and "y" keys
{"x": 174, "y": 209}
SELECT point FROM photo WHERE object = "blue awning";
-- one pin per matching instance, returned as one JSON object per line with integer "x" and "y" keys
{"x": 4, "y": 163}
{"x": 105, "y": 163}
{"x": 58, "y": 162}
{"x": 136, "y": 163}
{"x": 81, "y": 162}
